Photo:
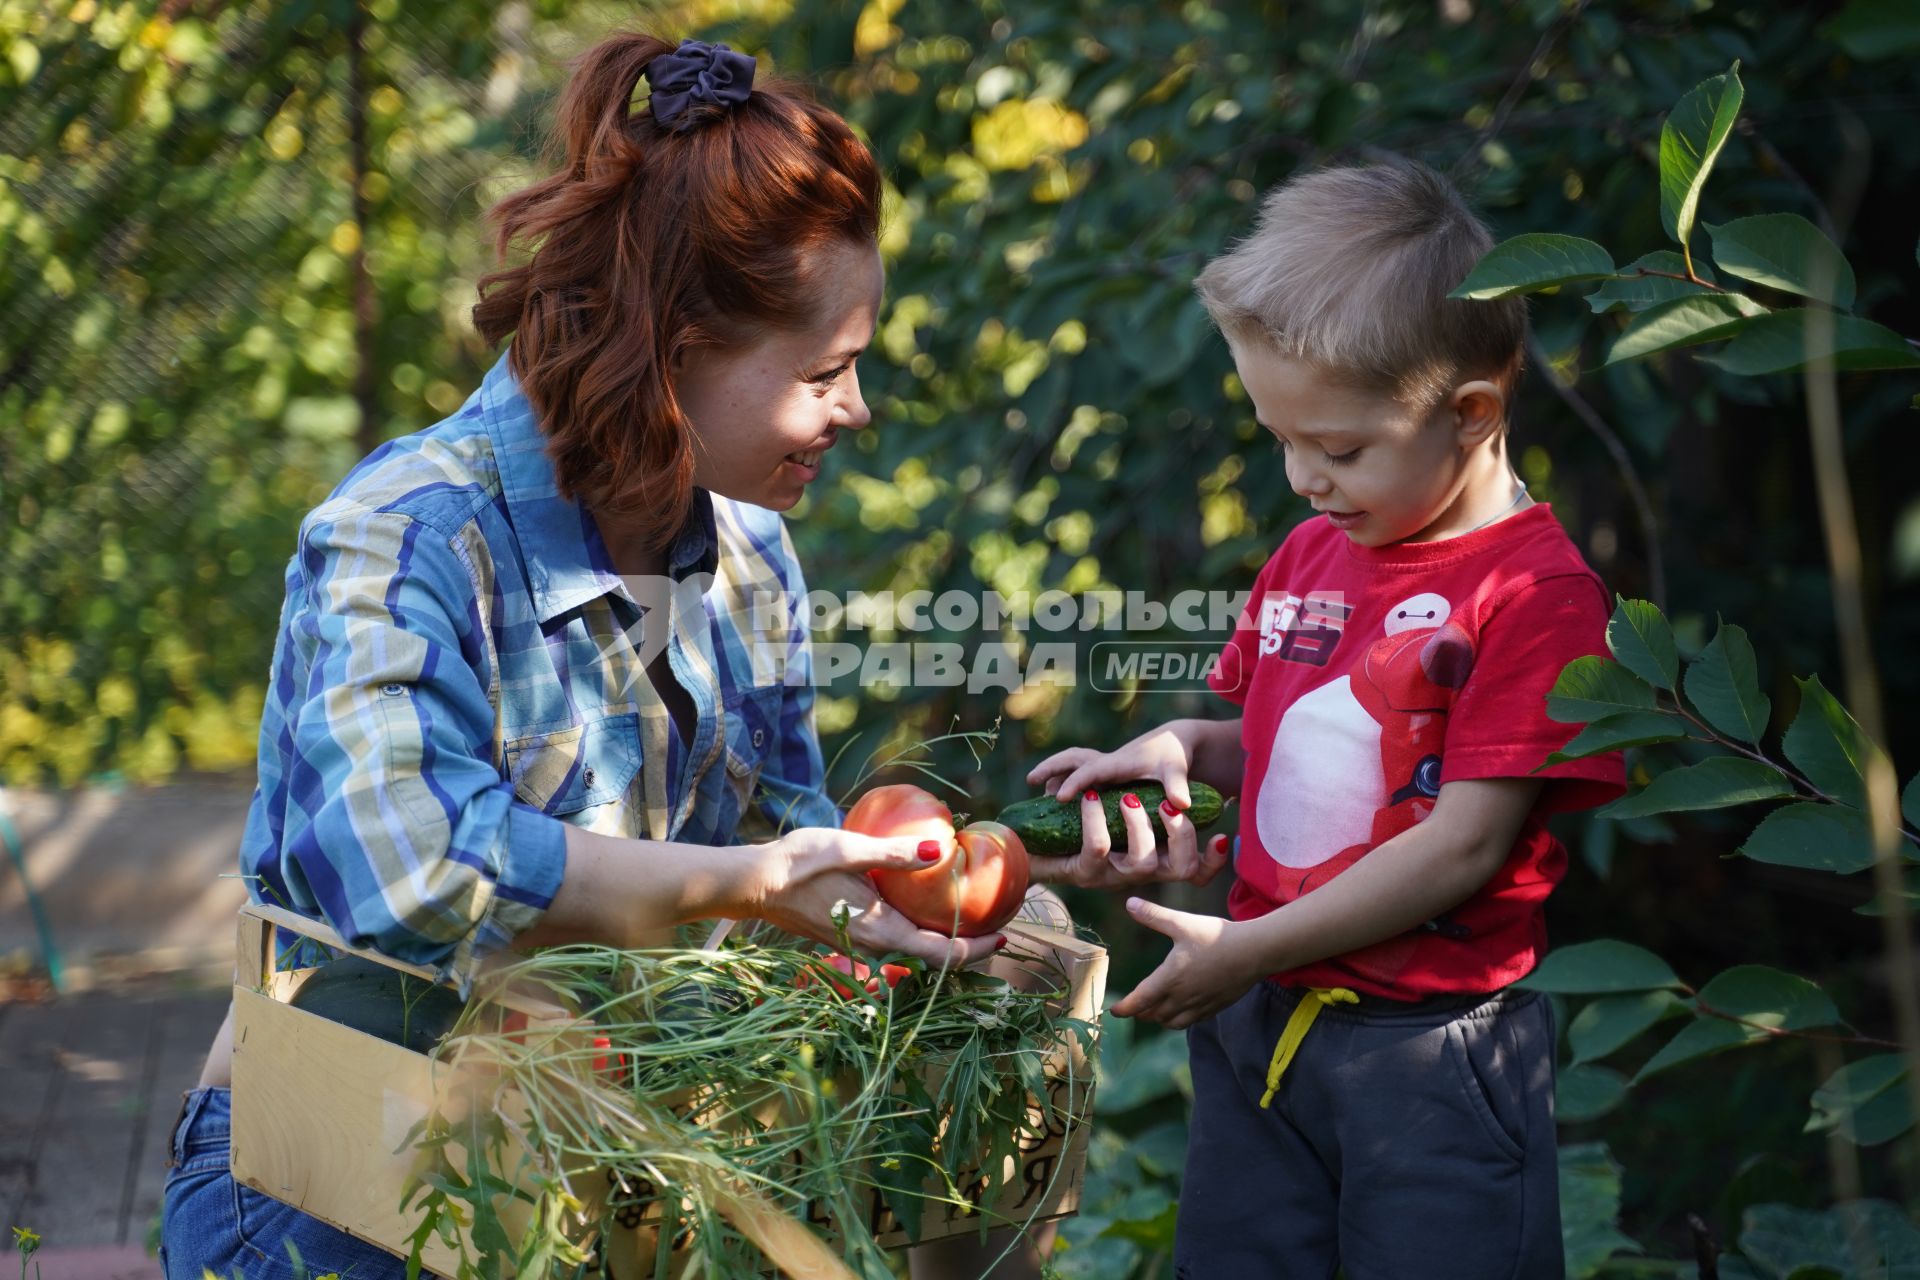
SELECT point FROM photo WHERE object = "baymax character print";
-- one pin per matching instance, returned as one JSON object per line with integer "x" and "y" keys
{"x": 1356, "y": 761}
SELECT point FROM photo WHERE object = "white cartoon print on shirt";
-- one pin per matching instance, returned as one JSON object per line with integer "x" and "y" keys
{"x": 1358, "y": 758}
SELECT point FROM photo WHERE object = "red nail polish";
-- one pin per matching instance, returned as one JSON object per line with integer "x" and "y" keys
{"x": 1091, "y": 795}
{"x": 1000, "y": 942}
{"x": 1219, "y": 844}
{"x": 1130, "y": 800}
{"x": 929, "y": 850}
{"x": 1166, "y": 807}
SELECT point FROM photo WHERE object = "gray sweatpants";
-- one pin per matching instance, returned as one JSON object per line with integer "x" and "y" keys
{"x": 1405, "y": 1142}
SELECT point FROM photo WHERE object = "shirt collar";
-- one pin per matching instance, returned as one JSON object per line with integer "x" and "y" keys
{"x": 567, "y": 561}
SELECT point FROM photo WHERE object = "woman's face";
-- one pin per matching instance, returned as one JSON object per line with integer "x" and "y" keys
{"x": 763, "y": 415}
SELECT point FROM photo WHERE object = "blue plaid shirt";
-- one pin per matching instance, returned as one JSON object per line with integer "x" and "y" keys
{"x": 458, "y": 672}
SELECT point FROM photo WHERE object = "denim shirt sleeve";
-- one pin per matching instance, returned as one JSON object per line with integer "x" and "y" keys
{"x": 397, "y": 828}
{"x": 793, "y": 782}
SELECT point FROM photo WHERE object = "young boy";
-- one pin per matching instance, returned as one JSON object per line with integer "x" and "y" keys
{"x": 1369, "y": 1093}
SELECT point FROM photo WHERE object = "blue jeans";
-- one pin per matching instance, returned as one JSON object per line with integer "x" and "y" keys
{"x": 211, "y": 1222}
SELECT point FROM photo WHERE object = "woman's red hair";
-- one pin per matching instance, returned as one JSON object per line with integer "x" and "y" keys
{"x": 647, "y": 244}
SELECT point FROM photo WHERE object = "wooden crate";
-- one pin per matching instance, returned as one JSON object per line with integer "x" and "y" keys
{"x": 322, "y": 1112}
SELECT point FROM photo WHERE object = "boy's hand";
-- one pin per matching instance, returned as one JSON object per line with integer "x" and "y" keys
{"x": 1212, "y": 964}
{"x": 1072, "y": 777}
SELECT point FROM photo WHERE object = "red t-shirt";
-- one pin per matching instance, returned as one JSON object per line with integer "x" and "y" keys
{"x": 1372, "y": 676}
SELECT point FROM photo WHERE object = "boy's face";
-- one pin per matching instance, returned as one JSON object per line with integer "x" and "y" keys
{"x": 1382, "y": 471}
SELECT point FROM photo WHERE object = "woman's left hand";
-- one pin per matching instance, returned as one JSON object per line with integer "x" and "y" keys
{"x": 812, "y": 877}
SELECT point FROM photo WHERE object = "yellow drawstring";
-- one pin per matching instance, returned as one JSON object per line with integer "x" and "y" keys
{"x": 1315, "y": 999}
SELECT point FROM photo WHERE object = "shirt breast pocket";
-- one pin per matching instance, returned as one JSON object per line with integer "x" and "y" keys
{"x": 568, "y": 769}
{"x": 753, "y": 726}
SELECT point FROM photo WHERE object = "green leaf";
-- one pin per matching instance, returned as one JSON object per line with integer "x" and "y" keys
{"x": 1603, "y": 967}
{"x": 1593, "y": 688}
{"x": 1155, "y": 1232}
{"x": 1724, "y": 686}
{"x": 1819, "y": 837}
{"x": 1881, "y": 903}
{"x": 1870, "y": 29}
{"x": 1865, "y": 1101}
{"x": 1825, "y": 744}
{"x": 902, "y": 1182}
{"x": 1611, "y": 1021}
{"x": 1767, "y": 999}
{"x": 1690, "y": 142}
{"x": 1786, "y": 340}
{"x": 1684, "y": 322}
{"x": 1784, "y": 251}
{"x": 1628, "y": 729}
{"x": 1590, "y": 1208}
{"x": 1633, "y": 292}
{"x": 1586, "y": 1092}
{"x": 1531, "y": 262}
{"x": 1786, "y": 1242}
{"x": 1642, "y": 642}
{"x": 1145, "y": 1075}
{"x": 1711, "y": 784}
{"x": 1161, "y": 1149}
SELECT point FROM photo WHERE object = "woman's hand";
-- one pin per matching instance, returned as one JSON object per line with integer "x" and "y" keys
{"x": 808, "y": 877}
{"x": 1073, "y": 776}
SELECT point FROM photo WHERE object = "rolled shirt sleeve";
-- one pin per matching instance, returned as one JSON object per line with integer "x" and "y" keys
{"x": 395, "y": 825}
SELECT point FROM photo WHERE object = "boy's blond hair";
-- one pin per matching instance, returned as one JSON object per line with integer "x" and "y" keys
{"x": 1348, "y": 269}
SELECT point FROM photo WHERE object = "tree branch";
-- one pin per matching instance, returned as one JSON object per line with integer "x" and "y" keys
{"x": 1617, "y": 449}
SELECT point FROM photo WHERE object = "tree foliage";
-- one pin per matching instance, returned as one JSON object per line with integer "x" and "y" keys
{"x": 238, "y": 244}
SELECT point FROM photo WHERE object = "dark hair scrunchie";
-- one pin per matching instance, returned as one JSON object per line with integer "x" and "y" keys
{"x": 697, "y": 72}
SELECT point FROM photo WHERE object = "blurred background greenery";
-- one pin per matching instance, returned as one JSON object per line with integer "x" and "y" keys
{"x": 238, "y": 244}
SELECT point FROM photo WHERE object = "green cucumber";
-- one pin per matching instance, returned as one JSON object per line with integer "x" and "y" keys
{"x": 1050, "y": 828}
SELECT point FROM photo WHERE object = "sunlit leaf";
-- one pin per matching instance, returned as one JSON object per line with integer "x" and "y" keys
{"x": 1783, "y": 251}
{"x": 1592, "y": 688}
{"x": 1531, "y": 262}
{"x": 1683, "y": 322}
{"x": 1690, "y": 141}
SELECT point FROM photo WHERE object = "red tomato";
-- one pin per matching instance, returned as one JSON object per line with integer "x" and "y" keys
{"x": 903, "y": 809}
{"x": 975, "y": 887}
{"x": 606, "y": 1063}
{"x": 611, "y": 1066}
{"x": 860, "y": 972}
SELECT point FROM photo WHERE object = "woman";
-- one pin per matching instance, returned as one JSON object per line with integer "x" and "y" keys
{"x": 521, "y": 693}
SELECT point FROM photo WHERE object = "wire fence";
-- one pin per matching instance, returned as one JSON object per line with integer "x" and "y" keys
{"x": 186, "y": 299}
